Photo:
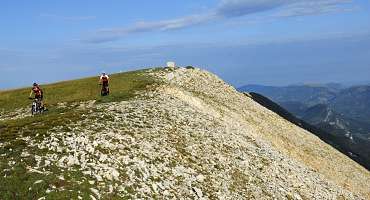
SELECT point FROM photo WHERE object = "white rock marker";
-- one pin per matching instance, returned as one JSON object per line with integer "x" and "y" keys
{"x": 171, "y": 64}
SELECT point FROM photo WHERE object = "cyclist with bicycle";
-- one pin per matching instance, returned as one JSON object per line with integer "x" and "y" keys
{"x": 38, "y": 95}
{"x": 104, "y": 81}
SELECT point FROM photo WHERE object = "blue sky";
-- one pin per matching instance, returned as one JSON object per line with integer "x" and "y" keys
{"x": 273, "y": 42}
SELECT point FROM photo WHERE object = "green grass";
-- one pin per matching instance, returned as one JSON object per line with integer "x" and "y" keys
{"x": 15, "y": 182}
{"x": 122, "y": 87}
{"x": 38, "y": 125}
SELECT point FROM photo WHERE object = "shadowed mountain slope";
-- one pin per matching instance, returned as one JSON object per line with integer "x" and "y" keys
{"x": 356, "y": 148}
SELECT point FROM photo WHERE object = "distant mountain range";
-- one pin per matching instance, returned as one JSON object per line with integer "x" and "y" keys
{"x": 308, "y": 95}
{"x": 342, "y": 112}
{"x": 353, "y": 102}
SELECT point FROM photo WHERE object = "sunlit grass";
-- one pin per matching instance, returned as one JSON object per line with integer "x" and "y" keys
{"x": 122, "y": 86}
{"x": 17, "y": 182}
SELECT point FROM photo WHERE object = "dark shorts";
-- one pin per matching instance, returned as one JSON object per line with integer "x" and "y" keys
{"x": 39, "y": 97}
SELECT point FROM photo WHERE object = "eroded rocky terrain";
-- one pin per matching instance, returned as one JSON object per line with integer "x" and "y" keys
{"x": 191, "y": 137}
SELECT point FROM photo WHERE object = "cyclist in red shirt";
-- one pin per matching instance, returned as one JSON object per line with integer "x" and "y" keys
{"x": 38, "y": 94}
{"x": 104, "y": 81}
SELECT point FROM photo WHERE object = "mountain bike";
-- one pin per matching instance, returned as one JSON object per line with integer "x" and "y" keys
{"x": 104, "y": 90}
{"x": 36, "y": 107}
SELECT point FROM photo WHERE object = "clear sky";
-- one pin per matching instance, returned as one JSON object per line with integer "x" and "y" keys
{"x": 274, "y": 42}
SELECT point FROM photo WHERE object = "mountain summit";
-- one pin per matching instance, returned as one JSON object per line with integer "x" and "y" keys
{"x": 166, "y": 133}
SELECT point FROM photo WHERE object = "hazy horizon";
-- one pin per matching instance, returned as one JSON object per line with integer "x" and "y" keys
{"x": 243, "y": 41}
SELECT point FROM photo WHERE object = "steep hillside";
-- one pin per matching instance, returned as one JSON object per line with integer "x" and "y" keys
{"x": 323, "y": 114}
{"x": 325, "y": 124}
{"x": 180, "y": 133}
{"x": 295, "y": 107}
{"x": 354, "y": 102}
{"x": 344, "y": 116}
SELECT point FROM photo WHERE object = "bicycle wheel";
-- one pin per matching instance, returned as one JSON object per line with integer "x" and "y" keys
{"x": 33, "y": 109}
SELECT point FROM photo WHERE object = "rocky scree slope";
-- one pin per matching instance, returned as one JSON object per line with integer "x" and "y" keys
{"x": 191, "y": 136}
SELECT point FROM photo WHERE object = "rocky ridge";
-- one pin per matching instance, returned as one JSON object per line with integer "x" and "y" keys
{"x": 194, "y": 136}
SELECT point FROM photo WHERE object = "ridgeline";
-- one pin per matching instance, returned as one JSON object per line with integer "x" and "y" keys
{"x": 163, "y": 134}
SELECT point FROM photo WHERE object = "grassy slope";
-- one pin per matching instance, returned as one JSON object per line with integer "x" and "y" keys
{"x": 15, "y": 181}
{"x": 122, "y": 87}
